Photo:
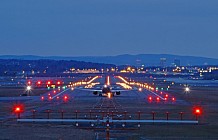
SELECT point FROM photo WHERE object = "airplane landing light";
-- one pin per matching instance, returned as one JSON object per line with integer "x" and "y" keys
{"x": 109, "y": 95}
{"x": 197, "y": 112}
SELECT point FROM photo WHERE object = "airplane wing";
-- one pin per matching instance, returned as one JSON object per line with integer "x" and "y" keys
{"x": 118, "y": 90}
{"x": 100, "y": 90}
{"x": 89, "y": 89}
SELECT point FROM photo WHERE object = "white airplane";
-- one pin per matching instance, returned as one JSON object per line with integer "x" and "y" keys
{"x": 106, "y": 90}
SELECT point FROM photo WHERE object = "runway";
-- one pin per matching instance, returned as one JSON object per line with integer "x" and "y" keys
{"x": 129, "y": 102}
{"x": 81, "y": 109}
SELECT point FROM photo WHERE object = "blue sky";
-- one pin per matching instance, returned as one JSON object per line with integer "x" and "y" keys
{"x": 108, "y": 27}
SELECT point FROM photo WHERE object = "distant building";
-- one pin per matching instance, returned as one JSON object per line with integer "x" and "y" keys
{"x": 177, "y": 62}
{"x": 163, "y": 62}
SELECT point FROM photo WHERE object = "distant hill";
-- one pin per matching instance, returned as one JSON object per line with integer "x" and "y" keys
{"x": 45, "y": 67}
{"x": 126, "y": 59}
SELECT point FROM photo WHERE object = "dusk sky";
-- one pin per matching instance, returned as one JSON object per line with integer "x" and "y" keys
{"x": 109, "y": 27}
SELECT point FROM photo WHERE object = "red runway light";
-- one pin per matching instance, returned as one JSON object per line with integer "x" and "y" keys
{"x": 39, "y": 83}
{"x": 198, "y": 111}
{"x": 29, "y": 82}
{"x": 150, "y": 98}
{"x": 165, "y": 99}
{"x": 50, "y": 98}
{"x": 166, "y": 95}
{"x": 42, "y": 98}
{"x": 173, "y": 99}
{"x": 158, "y": 99}
{"x": 58, "y": 83}
{"x": 66, "y": 98}
{"x": 48, "y": 82}
{"x": 18, "y": 109}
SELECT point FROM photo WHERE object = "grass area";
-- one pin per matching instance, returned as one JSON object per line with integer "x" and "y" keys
{"x": 205, "y": 97}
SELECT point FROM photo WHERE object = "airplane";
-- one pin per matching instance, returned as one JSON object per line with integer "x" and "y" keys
{"x": 106, "y": 90}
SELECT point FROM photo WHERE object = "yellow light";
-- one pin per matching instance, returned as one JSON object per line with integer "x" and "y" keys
{"x": 108, "y": 80}
{"x": 109, "y": 95}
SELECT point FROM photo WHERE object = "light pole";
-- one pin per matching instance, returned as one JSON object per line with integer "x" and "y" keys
{"x": 28, "y": 89}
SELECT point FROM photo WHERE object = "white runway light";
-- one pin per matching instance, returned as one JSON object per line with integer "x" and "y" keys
{"x": 28, "y": 88}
